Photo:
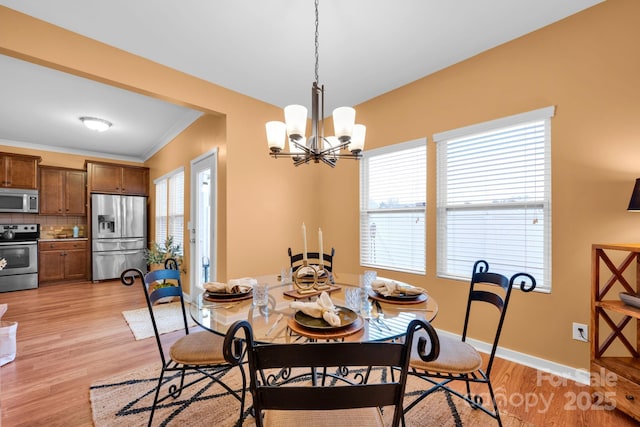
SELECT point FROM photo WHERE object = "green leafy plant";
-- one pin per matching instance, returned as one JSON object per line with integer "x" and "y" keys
{"x": 159, "y": 253}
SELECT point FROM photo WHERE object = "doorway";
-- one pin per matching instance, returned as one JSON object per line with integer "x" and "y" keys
{"x": 202, "y": 227}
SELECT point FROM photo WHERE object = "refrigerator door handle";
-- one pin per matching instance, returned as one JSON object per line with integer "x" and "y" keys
{"x": 131, "y": 252}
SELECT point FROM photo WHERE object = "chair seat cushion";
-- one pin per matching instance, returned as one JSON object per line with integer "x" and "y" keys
{"x": 198, "y": 348}
{"x": 370, "y": 417}
{"x": 456, "y": 357}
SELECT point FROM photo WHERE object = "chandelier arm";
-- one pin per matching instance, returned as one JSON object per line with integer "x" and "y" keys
{"x": 301, "y": 161}
{"x": 329, "y": 162}
{"x": 306, "y": 150}
{"x": 335, "y": 148}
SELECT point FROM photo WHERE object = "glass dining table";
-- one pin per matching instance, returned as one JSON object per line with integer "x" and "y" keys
{"x": 373, "y": 317}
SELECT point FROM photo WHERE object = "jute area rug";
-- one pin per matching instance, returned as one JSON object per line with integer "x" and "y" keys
{"x": 168, "y": 319}
{"x": 125, "y": 400}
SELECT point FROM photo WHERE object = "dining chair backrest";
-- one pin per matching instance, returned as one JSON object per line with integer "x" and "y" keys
{"x": 170, "y": 288}
{"x": 345, "y": 357}
{"x": 312, "y": 258}
{"x": 494, "y": 289}
{"x": 171, "y": 264}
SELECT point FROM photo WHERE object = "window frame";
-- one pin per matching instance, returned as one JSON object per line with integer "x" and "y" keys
{"x": 365, "y": 211}
{"x": 442, "y": 139}
{"x": 168, "y": 211}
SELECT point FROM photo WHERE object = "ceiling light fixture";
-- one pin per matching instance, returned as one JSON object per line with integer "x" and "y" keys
{"x": 348, "y": 135}
{"x": 96, "y": 124}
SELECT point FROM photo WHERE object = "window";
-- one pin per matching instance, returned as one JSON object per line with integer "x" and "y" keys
{"x": 393, "y": 192}
{"x": 494, "y": 194}
{"x": 170, "y": 207}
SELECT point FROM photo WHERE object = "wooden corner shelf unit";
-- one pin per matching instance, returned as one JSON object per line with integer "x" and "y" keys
{"x": 615, "y": 360}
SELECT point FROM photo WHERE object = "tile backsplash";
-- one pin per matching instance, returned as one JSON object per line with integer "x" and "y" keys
{"x": 50, "y": 225}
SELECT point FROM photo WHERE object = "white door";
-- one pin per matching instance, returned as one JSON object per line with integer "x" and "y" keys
{"x": 202, "y": 227}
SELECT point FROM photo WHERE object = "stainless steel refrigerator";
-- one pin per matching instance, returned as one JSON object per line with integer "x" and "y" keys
{"x": 118, "y": 234}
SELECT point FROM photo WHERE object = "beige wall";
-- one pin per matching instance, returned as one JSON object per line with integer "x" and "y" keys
{"x": 589, "y": 68}
{"x": 586, "y": 65}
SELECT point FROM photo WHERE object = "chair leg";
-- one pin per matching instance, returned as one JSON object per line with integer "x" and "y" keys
{"x": 470, "y": 398}
{"x": 155, "y": 398}
{"x": 495, "y": 405}
{"x": 243, "y": 393}
{"x": 176, "y": 391}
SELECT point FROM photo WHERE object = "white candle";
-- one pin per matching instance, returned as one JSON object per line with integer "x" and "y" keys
{"x": 304, "y": 242}
{"x": 321, "y": 251}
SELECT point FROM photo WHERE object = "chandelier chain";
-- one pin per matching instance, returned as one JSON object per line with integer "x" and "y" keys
{"x": 317, "y": 45}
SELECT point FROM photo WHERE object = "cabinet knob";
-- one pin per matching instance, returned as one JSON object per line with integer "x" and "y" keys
{"x": 629, "y": 397}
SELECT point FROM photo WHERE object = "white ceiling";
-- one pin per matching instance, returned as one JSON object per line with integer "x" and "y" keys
{"x": 264, "y": 49}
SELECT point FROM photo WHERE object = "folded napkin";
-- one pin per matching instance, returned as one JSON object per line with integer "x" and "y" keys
{"x": 235, "y": 286}
{"x": 322, "y": 308}
{"x": 308, "y": 271}
{"x": 389, "y": 288}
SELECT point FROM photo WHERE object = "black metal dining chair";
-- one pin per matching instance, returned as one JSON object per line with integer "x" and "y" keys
{"x": 460, "y": 361}
{"x": 312, "y": 258}
{"x": 195, "y": 352}
{"x": 353, "y": 397}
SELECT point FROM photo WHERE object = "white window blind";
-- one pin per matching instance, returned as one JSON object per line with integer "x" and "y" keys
{"x": 176, "y": 208}
{"x": 494, "y": 197}
{"x": 161, "y": 212}
{"x": 170, "y": 207}
{"x": 393, "y": 194}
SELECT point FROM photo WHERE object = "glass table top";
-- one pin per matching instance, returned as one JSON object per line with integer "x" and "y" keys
{"x": 275, "y": 322}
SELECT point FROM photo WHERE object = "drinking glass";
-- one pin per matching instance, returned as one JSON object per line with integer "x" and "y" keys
{"x": 260, "y": 295}
{"x": 352, "y": 298}
{"x": 369, "y": 277}
{"x": 285, "y": 275}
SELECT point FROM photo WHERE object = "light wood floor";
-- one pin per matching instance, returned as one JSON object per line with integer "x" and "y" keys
{"x": 73, "y": 334}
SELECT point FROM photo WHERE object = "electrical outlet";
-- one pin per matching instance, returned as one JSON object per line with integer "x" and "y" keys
{"x": 580, "y": 332}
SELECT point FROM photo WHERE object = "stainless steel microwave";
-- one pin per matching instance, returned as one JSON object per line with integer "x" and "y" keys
{"x": 18, "y": 200}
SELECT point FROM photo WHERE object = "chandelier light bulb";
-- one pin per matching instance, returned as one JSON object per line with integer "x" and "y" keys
{"x": 357, "y": 138}
{"x": 295, "y": 116}
{"x": 343, "y": 120}
{"x": 276, "y": 132}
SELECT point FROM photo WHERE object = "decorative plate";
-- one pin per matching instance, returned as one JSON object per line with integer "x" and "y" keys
{"x": 390, "y": 300}
{"x": 399, "y": 296}
{"x": 224, "y": 295}
{"x": 347, "y": 317}
{"x": 630, "y": 299}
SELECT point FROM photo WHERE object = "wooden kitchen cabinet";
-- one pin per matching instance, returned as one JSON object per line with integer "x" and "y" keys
{"x": 19, "y": 171}
{"x": 62, "y": 191}
{"x": 615, "y": 328}
{"x": 64, "y": 260}
{"x": 118, "y": 179}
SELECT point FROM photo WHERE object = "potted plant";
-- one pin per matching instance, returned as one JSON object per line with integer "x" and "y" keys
{"x": 158, "y": 254}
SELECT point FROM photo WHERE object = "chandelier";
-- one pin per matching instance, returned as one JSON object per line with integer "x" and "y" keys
{"x": 347, "y": 142}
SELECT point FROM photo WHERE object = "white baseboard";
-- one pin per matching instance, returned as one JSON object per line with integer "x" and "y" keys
{"x": 578, "y": 375}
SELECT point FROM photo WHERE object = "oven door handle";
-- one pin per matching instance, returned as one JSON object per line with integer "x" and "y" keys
{"x": 17, "y": 243}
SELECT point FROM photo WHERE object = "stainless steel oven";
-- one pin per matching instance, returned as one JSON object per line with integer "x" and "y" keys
{"x": 19, "y": 248}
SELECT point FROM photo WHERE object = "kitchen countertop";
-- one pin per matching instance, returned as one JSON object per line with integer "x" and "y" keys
{"x": 54, "y": 239}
